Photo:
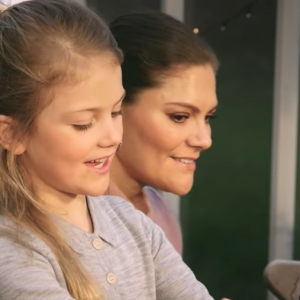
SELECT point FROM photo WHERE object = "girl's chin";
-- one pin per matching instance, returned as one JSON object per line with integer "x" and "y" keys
{"x": 96, "y": 191}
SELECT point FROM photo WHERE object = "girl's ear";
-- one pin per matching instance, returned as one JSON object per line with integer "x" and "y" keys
{"x": 7, "y": 138}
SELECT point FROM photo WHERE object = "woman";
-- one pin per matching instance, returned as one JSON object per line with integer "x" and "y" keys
{"x": 169, "y": 78}
{"x": 60, "y": 126}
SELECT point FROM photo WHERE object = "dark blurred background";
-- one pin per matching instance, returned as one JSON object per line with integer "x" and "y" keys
{"x": 225, "y": 218}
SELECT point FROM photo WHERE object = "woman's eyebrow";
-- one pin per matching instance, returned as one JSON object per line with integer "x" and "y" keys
{"x": 190, "y": 106}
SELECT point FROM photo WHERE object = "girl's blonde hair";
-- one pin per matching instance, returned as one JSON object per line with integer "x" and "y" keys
{"x": 43, "y": 44}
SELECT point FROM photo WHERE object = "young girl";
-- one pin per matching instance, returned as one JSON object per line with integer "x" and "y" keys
{"x": 60, "y": 126}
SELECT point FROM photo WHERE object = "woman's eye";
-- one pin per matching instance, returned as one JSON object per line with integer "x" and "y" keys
{"x": 116, "y": 113}
{"x": 83, "y": 127}
{"x": 179, "y": 118}
{"x": 209, "y": 118}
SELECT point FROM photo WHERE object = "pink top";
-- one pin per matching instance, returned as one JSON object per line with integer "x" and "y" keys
{"x": 161, "y": 214}
{"x": 158, "y": 211}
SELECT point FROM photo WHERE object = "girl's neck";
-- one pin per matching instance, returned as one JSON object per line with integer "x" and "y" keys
{"x": 72, "y": 208}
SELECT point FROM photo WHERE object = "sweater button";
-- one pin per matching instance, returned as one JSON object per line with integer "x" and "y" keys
{"x": 111, "y": 278}
{"x": 97, "y": 244}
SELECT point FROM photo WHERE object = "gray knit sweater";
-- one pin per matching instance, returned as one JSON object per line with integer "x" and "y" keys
{"x": 127, "y": 254}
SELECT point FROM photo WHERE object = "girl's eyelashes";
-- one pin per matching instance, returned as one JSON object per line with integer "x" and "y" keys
{"x": 83, "y": 127}
{"x": 88, "y": 126}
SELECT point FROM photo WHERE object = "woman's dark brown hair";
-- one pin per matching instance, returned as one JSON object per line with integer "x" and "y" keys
{"x": 153, "y": 44}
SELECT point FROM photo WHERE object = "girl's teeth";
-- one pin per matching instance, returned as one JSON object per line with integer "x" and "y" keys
{"x": 100, "y": 162}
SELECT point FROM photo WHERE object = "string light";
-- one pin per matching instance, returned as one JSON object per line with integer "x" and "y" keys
{"x": 246, "y": 10}
{"x": 249, "y": 11}
{"x": 196, "y": 30}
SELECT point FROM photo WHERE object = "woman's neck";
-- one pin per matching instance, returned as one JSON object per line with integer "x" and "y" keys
{"x": 129, "y": 186}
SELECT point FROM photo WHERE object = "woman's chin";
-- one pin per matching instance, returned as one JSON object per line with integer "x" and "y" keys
{"x": 179, "y": 189}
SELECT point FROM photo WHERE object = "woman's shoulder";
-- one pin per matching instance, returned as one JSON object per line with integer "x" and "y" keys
{"x": 158, "y": 204}
{"x": 162, "y": 215}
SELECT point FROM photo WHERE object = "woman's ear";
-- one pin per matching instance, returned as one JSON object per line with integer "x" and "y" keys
{"x": 7, "y": 137}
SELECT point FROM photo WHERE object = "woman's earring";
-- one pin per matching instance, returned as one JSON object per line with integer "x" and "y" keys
{"x": 119, "y": 147}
